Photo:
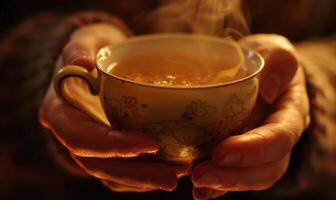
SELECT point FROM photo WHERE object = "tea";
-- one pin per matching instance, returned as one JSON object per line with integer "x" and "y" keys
{"x": 177, "y": 69}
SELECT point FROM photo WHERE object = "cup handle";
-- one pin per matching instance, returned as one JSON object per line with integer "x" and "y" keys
{"x": 80, "y": 72}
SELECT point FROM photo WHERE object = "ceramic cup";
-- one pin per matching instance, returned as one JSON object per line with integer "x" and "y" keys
{"x": 187, "y": 121}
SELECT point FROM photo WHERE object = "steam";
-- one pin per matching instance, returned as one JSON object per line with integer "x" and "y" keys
{"x": 210, "y": 17}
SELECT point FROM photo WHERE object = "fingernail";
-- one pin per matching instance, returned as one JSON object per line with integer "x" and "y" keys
{"x": 270, "y": 87}
{"x": 168, "y": 187}
{"x": 166, "y": 184}
{"x": 229, "y": 159}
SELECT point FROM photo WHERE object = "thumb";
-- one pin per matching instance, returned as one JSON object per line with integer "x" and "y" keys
{"x": 86, "y": 41}
{"x": 281, "y": 63}
{"x": 280, "y": 68}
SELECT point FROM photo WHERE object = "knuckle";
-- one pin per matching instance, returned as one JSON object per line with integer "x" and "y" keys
{"x": 259, "y": 147}
{"x": 287, "y": 139}
{"x": 263, "y": 140}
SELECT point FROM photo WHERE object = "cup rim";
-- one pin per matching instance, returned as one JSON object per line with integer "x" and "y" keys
{"x": 181, "y": 35}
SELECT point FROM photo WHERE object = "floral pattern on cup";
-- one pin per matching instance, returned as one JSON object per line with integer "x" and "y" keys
{"x": 186, "y": 121}
{"x": 183, "y": 135}
{"x": 199, "y": 109}
{"x": 125, "y": 112}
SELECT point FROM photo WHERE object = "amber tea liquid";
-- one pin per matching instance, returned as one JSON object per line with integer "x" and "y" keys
{"x": 176, "y": 69}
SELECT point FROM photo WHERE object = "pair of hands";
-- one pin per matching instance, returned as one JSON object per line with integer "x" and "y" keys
{"x": 254, "y": 160}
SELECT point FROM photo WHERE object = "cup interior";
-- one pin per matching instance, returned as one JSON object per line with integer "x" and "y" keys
{"x": 215, "y": 49}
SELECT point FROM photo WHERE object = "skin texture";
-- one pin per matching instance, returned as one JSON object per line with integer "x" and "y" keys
{"x": 253, "y": 160}
{"x": 109, "y": 155}
{"x": 258, "y": 158}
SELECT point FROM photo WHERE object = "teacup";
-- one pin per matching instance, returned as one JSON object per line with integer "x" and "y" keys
{"x": 187, "y": 121}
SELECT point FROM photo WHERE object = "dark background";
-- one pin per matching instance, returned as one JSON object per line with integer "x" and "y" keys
{"x": 296, "y": 19}
{"x": 27, "y": 168}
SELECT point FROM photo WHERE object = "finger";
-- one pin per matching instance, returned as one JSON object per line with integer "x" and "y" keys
{"x": 131, "y": 172}
{"x": 179, "y": 170}
{"x": 273, "y": 139}
{"x": 280, "y": 68}
{"x": 281, "y": 63}
{"x": 84, "y": 137}
{"x": 116, "y": 187}
{"x": 206, "y": 193}
{"x": 85, "y": 42}
{"x": 239, "y": 178}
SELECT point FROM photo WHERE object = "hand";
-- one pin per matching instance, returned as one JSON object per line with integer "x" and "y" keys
{"x": 258, "y": 158}
{"x": 114, "y": 157}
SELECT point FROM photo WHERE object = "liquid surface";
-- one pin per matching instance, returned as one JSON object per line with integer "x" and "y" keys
{"x": 176, "y": 69}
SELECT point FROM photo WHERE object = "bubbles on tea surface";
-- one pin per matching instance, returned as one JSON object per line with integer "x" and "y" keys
{"x": 177, "y": 69}
{"x": 168, "y": 80}
{"x": 170, "y": 77}
{"x": 191, "y": 79}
